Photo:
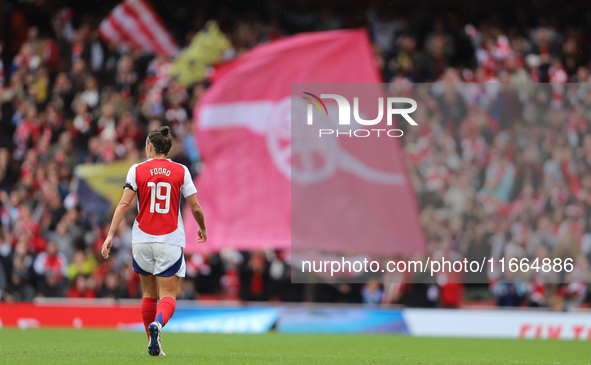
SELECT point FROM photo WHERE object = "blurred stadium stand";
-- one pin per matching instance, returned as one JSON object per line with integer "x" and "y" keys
{"x": 69, "y": 99}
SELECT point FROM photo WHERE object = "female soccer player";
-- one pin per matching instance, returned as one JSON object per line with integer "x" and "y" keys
{"x": 158, "y": 231}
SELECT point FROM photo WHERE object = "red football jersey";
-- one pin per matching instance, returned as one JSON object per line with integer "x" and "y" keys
{"x": 159, "y": 184}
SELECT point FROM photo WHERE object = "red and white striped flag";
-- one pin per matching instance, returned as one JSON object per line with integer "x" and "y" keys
{"x": 135, "y": 24}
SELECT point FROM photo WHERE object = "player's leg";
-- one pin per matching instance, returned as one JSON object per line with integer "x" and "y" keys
{"x": 167, "y": 289}
{"x": 167, "y": 292}
{"x": 149, "y": 300}
{"x": 143, "y": 263}
{"x": 170, "y": 265}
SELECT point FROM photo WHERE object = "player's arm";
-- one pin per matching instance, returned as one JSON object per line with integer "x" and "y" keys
{"x": 199, "y": 217}
{"x": 120, "y": 211}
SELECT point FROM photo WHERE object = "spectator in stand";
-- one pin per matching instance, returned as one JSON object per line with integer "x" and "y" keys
{"x": 372, "y": 293}
{"x": 21, "y": 286}
{"x": 52, "y": 262}
{"x": 51, "y": 285}
{"x": 509, "y": 293}
{"x": 3, "y": 280}
{"x": 254, "y": 277}
{"x": 113, "y": 287}
{"x": 81, "y": 288}
{"x": 82, "y": 265}
{"x": 63, "y": 239}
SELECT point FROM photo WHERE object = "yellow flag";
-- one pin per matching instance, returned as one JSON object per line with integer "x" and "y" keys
{"x": 206, "y": 48}
{"x": 100, "y": 185}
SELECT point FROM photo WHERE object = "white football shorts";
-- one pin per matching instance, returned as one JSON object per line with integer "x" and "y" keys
{"x": 160, "y": 259}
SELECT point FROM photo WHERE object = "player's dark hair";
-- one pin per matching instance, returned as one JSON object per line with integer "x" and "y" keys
{"x": 161, "y": 139}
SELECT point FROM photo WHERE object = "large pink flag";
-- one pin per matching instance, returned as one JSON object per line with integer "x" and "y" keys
{"x": 245, "y": 187}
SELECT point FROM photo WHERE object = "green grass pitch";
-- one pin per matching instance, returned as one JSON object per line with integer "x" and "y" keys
{"x": 115, "y": 347}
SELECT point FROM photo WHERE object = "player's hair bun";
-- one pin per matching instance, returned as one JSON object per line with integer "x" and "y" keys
{"x": 161, "y": 139}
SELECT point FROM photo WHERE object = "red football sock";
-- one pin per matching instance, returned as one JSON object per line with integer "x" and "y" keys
{"x": 166, "y": 308}
{"x": 148, "y": 312}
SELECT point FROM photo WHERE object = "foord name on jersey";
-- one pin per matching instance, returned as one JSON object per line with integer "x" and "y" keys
{"x": 160, "y": 171}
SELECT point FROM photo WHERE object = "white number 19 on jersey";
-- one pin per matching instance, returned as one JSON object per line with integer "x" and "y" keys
{"x": 157, "y": 194}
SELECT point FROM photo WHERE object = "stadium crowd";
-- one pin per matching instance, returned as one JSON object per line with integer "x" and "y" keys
{"x": 498, "y": 176}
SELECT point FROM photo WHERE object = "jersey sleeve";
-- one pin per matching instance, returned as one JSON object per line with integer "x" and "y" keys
{"x": 188, "y": 187}
{"x": 130, "y": 181}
